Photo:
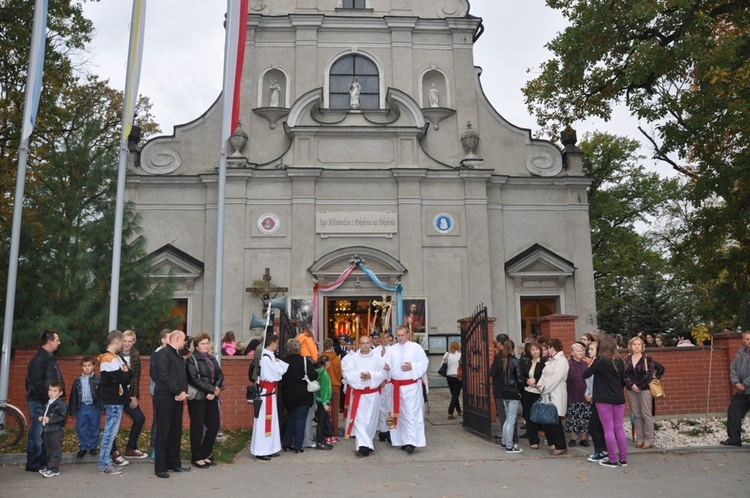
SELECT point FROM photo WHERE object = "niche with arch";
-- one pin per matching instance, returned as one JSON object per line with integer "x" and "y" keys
{"x": 273, "y": 95}
{"x": 435, "y": 79}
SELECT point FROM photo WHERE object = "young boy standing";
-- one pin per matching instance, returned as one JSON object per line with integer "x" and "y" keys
{"x": 86, "y": 405}
{"x": 53, "y": 423}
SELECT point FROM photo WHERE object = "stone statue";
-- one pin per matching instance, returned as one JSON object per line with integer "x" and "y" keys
{"x": 434, "y": 97}
{"x": 275, "y": 89}
{"x": 354, "y": 89}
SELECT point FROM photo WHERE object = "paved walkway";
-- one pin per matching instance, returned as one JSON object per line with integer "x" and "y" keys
{"x": 455, "y": 463}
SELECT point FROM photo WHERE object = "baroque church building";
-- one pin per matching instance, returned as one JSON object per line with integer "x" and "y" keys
{"x": 366, "y": 137}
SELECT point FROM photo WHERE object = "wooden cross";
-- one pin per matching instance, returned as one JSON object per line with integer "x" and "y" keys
{"x": 264, "y": 292}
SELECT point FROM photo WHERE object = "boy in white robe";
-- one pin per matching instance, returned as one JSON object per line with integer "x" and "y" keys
{"x": 364, "y": 374}
{"x": 407, "y": 363}
{"x": 266, "y": 439}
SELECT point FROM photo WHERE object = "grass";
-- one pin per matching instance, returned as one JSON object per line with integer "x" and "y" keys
{"x": 695, "y": 432}
{"x": 225, "y": 450}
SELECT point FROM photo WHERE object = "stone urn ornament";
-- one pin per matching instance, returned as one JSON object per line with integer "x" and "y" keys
{"x": 238, "y": 141}
{"x": 470, "y": 141}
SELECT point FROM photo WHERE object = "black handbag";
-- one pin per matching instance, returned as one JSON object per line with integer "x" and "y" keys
{"x": 443, "y": 370}
{"x": 544, "y": 413}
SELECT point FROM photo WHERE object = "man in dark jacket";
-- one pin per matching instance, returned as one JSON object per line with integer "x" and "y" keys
{"x": 115, "y": 378}
{"x": 41, "y": 371}
{"x": 739, "y": 374}
{"x": 169, "y": 393}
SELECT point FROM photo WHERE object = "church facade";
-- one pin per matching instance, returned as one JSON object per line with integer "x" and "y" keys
{"x": 366, "y": 136}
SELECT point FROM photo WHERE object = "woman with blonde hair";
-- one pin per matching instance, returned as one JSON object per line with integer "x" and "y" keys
{"x": 639, "y": 372}
{"x": 453, "y": 359}
{"x": 307, "y": 343}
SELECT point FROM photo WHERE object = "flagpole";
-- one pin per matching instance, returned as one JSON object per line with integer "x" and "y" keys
{"x": 236, "y": 24}
{"x": 135, "y": 49}
{"x": 33, "y": 90}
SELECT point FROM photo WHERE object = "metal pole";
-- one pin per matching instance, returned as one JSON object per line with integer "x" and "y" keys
{"x": 219, "y": 285}
{"x": 10, "y": 294}
{"x": 114, "y": 291}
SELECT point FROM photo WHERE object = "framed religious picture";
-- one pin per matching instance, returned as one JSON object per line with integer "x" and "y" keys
{"x": 415, "y": 319}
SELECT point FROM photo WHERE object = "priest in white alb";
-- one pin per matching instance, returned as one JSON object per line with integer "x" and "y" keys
{"x": 266, "y": 440}
{"x": 407, "y": 363}
{"x": 386, "y": 393}
{"x": 364, "y": 373}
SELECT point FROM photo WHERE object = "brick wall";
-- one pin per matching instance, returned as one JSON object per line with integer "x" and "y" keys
{"x": 559, "y": 326}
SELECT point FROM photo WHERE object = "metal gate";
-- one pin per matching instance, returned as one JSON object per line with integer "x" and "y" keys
{"x": 475, "y": 364}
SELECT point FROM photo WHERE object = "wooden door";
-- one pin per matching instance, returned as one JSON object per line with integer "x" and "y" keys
{"x": 532, "y": 309}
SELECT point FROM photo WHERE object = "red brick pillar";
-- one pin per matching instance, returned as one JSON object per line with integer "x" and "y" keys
{"x": 732, "y": 342}
{"x": 559, "y": 326}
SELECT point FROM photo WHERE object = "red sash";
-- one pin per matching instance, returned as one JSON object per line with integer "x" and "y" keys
{"x": 397, "y": 396}
{"x": 270, "y": 388}
{"x": 355, "y": 395}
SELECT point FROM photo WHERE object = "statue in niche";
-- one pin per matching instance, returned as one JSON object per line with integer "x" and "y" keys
{"x": 354, "y": 89}
{"x": 434, "y": 97}
{"x": 275, "y": 90}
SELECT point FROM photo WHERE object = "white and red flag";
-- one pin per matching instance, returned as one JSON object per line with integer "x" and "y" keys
{"x": 234, "y": 56}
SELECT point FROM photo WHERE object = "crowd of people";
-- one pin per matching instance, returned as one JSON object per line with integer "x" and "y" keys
{"x": 378, "y": 389}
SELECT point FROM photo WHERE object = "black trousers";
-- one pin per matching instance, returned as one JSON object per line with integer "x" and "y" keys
{"x": 203, "y": 413}
{"x": 53, "y": 449}
{"x": 532, "y": 428}
{"x": 169, "y": 418}
{"x": 597, "y": 431}
{"x": 737, "y": 409}
{"x": 324, "y": 428}
{"x": 556, "y": 435}
{"x": 454, "y": 384}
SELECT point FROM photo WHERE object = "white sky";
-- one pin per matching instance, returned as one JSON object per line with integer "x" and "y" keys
{"x": 184, "y": 44}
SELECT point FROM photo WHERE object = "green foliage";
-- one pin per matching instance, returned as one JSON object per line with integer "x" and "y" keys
{"x": 682, "y": 67}
{"x": 622, "y": 196}
{"x": 68, "y": 219}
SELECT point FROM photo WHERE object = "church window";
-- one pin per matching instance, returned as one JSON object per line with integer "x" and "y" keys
{"x": 354, "y": 4}
{"x": 343, "y": 72}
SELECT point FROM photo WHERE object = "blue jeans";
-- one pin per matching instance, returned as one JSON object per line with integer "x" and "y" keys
{"x": 511, "y": 413}
{"x": 295, "y": 427}
{"x": 34, "y": 452}
{"x": 112, "y": 419}
{"x": 88, "y": 420}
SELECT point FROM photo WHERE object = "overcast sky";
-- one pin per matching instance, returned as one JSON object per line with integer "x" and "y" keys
{"x": 184, "y": 49}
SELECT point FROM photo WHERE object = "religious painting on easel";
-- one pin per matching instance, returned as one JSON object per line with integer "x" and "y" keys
{"x": 415, "y": 319}
{"x": 302, "y": 311}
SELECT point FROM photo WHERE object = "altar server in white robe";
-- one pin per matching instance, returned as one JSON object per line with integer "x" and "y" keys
{"x": 364, "y": 373}
{"x": 266, "y": 440}
{"x": 407, "y": 363}
{"x": 386, "y": 394}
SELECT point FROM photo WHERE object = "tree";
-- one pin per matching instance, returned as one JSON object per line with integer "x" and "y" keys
{"x": 652, "y": 310}
{"x": 64, "y": 277}
{"x": 622, "y": 196}
{"x": 682, "y": 67}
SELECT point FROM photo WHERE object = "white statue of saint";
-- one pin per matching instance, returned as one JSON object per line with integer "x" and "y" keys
{"x": 354, "y": 89}
{"x": 434, "y": 97}
{"x": 275, "y": 89}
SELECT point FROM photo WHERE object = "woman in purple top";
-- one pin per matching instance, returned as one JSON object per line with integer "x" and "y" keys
{"x": 579, "y": 410}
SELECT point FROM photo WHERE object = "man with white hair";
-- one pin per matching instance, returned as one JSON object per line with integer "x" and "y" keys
{"x": 364, "y": 373}
{"x": 407, "y": 362}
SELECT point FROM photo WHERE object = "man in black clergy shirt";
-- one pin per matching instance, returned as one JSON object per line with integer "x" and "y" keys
{"x": 169, "y": 393}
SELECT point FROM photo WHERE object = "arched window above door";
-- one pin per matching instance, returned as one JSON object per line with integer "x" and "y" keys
{"x": 343, "y": 73}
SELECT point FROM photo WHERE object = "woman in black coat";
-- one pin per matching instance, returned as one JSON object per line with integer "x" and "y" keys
{"x": 205, "y": 375}
{"x": 295, "y": 396}
{"x": 532, "y": 372}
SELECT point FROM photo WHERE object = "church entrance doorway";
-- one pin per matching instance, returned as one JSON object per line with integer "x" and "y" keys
{"x": 355, "y": 315}
{"x": 532, "y": 309}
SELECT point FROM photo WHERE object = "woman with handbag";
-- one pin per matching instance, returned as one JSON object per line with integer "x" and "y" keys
{"x": 453, "y": 360}
{"x": 639, "y": 372}
{"x": 553, "y": 386}
{"x": 532, "y": 372}
{"x": 206, "y": 378}
{"x": 608, "y": 395}
{"x": 296, "y": 396}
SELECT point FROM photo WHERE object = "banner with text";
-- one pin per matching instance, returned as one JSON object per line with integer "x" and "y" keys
{"x": 356, "y": 222}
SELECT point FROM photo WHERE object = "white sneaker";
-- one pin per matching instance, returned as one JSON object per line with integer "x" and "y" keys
{"x": 514, "y": 449}
{"x": 120, "y": 461}
{"x": 50, "y": 473}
